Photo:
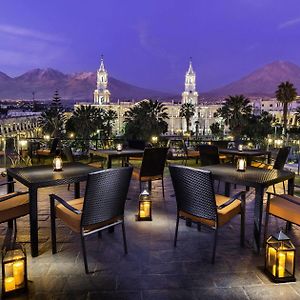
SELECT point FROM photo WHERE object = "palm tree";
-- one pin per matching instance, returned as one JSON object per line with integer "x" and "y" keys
{"x": 53, "y": 119}
{"x": 108, "y": 121}
{"x": 285, "y": 94}
{"x": 84, "y": 121}
{"x": 235, "y": 112}
{"x": 187, "y": 111}
{"x": 144, "y": 119}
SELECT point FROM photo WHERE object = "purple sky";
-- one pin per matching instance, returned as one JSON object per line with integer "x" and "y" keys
{"x": 148, "y": 42}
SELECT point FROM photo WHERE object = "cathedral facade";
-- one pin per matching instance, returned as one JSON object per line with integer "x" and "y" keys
{"x": 200, "y": 122}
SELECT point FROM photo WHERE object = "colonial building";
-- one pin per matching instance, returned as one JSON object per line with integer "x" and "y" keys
{"x": 200, "y": 123}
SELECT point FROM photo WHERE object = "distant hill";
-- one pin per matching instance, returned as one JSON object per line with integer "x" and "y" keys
{"x": 77, "y": 86}
{"x": 80, "y": 86}
{"x": 262, "y": 82}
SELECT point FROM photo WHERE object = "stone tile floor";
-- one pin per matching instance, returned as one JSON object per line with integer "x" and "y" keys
{"x": 153, "y": 269}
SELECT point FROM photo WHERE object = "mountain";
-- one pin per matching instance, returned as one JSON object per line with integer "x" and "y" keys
{"x": 262, "y": 82}
{"x": 77, "y": 86}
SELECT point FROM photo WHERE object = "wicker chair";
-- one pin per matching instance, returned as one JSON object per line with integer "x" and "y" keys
{"x": 197, "y": 201}
{"x": 285, "y": 207}
{"x": 209, "y": 155}
{"x": 152, "y": 167}
{"x": 279, "y": 162}
{"x": 13, "y": 205}
{"x": 101, "y": 207}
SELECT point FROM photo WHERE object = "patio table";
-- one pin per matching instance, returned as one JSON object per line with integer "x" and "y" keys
{"x": 36, "y": 177}
{"x": 248, "y": 154}
{"x": 259, "y": 179}
{"x": 111, "y": 154}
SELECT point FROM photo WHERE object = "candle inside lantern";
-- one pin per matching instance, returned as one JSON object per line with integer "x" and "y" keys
{"x": 147, "y": 209}
{"x": 18, "y": 271}
{"x": 119, "y": 147}
{"x": 57, "y": 163}
{"x": 271, "y": 256}
{"x": 241, "y": 164}
{"x": 240, "y": 147}
{"x": 9, "y": 284}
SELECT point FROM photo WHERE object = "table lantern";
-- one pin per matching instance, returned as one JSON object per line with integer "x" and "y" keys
{"x": 241, "y": 164}
{"x": 280, "y": 258}
{"x": 145, "y": 207}
{"x": 14, "y": 270}
{"x": 57, "y": 163}
{"x": 154, "y": 140}
{"x": 119, "y": 147}
{"x": 240, "y": 147}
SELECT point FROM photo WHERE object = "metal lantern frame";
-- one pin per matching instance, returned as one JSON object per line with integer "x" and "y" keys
{"x": 14, "y": 270}
{"x": 55, "y": 169}
{"x": 280, "y": 258}
{"x": 145, "y": 207}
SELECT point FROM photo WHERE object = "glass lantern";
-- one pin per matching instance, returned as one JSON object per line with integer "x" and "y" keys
{"x": 280, "y": 258}
{"x": 119, "y": 147}
{"x": 154, "y": 140}
{"x": 241, "y": 164}
{"x": 14, "y": 270}
{"x": 145, "y": 207}
{"x": 57, "y": 163}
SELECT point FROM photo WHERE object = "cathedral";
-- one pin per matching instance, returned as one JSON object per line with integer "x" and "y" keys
{"x": 200, "y": 122}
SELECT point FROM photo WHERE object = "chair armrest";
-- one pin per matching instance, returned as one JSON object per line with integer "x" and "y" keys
{"x": 14, "y": 194}
{"x": 240, "y": 195}
{"x": 54, "y": 197}
{"x": 285, "y": 197}
{"x": 7, "y": 182}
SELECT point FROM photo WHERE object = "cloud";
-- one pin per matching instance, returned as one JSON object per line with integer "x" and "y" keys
{"x": 28, "y": 33}
{"x": 289, "y": 23}
{"x": 23, "y": 48}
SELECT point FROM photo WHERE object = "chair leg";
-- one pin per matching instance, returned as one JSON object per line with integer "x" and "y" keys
{"x": 124, "y": 237}
{"x": 199, "y": 226}
{"x": 163, "y": 187}
{"x": 283, "y": 187}
{"x": 266, "y": 220}
{"x": 53, "y": 227}
{"x": 215, "y": 246}
{"x": 84, "y": 254}
{"x": 69, "y": 186}
{"x": 176, "y": 231}
{"x": 274, "y": 190}
{"x": 243, "y": 206}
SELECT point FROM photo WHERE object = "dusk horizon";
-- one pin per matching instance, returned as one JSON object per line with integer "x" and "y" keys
{"x": 149, "y": 44}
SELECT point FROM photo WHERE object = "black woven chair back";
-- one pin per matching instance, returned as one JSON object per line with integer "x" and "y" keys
{"x": 153, "y": 162}
{"x": 54, "y": 145}
{"x": 209, "y": 155}
{"x": 194, "y": 191}
{"x": 68, "y": 154}
{"x": 105, "y": 195}
{"x": 281, "y": 158}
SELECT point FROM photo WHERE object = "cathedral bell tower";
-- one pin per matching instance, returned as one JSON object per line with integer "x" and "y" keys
{"x": 190, "y": 94}
{"x": 102, "y": 94}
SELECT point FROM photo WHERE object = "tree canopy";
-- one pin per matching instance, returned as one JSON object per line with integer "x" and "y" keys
{"x": 145, "y": 119}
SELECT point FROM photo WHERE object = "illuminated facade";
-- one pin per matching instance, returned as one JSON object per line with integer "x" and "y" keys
{"x": 190, "y": 95}
{"x": 102, "y": 94}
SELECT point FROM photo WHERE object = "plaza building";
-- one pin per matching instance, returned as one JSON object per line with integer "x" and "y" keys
{"x": 200, "y": 123}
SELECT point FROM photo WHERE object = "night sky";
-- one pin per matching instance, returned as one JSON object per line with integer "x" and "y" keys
{"x": 148, "y": 42}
